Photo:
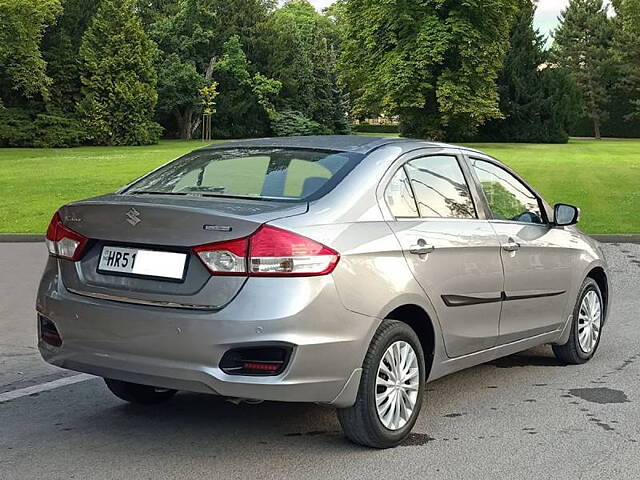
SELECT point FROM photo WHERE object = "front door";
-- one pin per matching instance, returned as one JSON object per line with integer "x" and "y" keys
{"x": 537, "y": 268}
{"x": 454, "y": 254}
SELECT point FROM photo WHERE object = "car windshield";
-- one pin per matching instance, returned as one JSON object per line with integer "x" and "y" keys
{"x": 265, "y": 173}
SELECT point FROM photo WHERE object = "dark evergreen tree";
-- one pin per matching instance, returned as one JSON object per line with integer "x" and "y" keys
{"x": 22, "y": 68}
{"x": 151, "y": 11}
{"x": 119, "y": 81}
{"x": 538, "y": 100}
{"x": 330, "y": 103}
{"x": 29, "y": 85}
{"x": 582, "y": 45}
{"x": 61, "y": 47}
{"x": 190, "y": 36}
{"x": 339, "y": 119}
{"x": 622, "y": 105}
{"x": 300, "y": 51}
{"x": 627, "y": 53}
{"x": 237, "y": 111}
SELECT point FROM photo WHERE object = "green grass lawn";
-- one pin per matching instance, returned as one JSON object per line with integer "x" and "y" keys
{"x": 603, "y": 178}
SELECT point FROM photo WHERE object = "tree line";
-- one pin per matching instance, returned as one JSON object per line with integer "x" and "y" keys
{"x": 125, "y": 72}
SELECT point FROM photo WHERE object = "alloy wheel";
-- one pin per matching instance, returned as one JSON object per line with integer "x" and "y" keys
{"x": 397, "y": 385}
{"x": 589, "y": 321}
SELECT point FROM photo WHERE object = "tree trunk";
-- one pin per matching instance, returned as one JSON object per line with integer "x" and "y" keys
{"x": 593, "y": 107}
{"x": 207, "y": 76}
{"x": 184, "y": 123}
{"x": 196, "y": 124}
{"x": 209, "y": 73}
{"x": 596, "y": 129}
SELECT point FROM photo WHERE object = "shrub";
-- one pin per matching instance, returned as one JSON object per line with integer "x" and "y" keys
{"x": 369, "y": 128}
{"x": 289, "y": 123}
{"x": 53, "y": 131}
{"x": 24, "y": 128}
{"x": 16, "y": 128}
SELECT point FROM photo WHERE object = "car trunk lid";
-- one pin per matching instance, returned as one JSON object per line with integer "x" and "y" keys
{"x": 164, "y": 223}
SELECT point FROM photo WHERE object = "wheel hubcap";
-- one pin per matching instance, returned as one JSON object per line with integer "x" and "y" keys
{"x": 397, "y": 385}
{"x": 589, "y": 321}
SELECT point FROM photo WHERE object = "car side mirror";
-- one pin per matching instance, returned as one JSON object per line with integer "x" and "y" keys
{"x": 565, "y": 215}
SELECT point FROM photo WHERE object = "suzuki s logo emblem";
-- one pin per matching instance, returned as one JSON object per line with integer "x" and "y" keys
{"x": 133, "y": 217}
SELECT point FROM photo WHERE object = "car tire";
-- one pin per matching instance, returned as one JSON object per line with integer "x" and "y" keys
{"x": 136, "y": 393}
{"x": 364, "y": 422}
{"x": 575, "y": 352}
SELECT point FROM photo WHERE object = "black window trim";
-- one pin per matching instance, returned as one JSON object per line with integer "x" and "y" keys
{"x": 413, "y": 194}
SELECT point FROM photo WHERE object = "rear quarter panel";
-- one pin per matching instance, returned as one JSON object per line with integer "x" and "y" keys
{"x": 372, "y": 277}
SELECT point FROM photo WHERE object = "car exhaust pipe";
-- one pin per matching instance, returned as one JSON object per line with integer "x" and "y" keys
{"x": 248, "y": 401}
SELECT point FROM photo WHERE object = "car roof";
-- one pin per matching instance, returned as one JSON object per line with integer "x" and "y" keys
{"x": 341, "y": 143}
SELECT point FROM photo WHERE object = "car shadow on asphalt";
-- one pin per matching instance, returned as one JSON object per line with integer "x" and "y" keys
{"x": 193, "y": 418}
{"x": 201, "y": 418}
{"x": 530, "y": 358}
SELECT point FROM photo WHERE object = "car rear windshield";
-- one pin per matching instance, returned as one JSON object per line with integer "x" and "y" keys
{"x": 265, "y": 173}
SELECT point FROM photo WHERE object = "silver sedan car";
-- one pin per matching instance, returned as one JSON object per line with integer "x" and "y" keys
{"x": 346, "y": 271}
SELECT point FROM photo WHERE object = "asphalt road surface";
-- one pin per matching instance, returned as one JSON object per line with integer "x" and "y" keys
{"x": 523, "y": 417}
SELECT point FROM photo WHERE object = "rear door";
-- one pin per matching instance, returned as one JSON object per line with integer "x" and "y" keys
{"x": 537, "y": 265}
{"x": 450, "y": 247}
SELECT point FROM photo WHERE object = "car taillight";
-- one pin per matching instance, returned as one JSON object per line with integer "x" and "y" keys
{"x": 63, "y": 242}
{"x": 225, "y": 258}
{"x": 270, "y": 251}
{"x": 273, "y": 251}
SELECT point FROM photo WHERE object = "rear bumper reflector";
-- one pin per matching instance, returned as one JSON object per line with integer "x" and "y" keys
{"x": 256, "y": 361}
{"x": 48, "y": 332}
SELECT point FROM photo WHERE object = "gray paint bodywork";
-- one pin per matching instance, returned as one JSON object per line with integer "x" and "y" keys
{"x": 177, "y": 338}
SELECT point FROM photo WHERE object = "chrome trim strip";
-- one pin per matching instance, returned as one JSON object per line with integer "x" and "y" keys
{"x": 137, "y": 301}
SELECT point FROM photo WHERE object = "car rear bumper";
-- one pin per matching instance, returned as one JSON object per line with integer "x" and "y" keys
{"x": 181, "y": 349}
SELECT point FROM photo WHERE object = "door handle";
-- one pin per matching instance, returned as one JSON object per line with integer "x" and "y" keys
{"x": 511, "y": 246}
{"x": 422, "y": 248}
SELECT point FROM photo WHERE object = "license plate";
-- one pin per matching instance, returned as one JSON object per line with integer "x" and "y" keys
{"x": 145, "y": 263}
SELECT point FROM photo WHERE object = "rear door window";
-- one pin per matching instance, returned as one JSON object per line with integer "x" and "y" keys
{"x": 440, "y": 188}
